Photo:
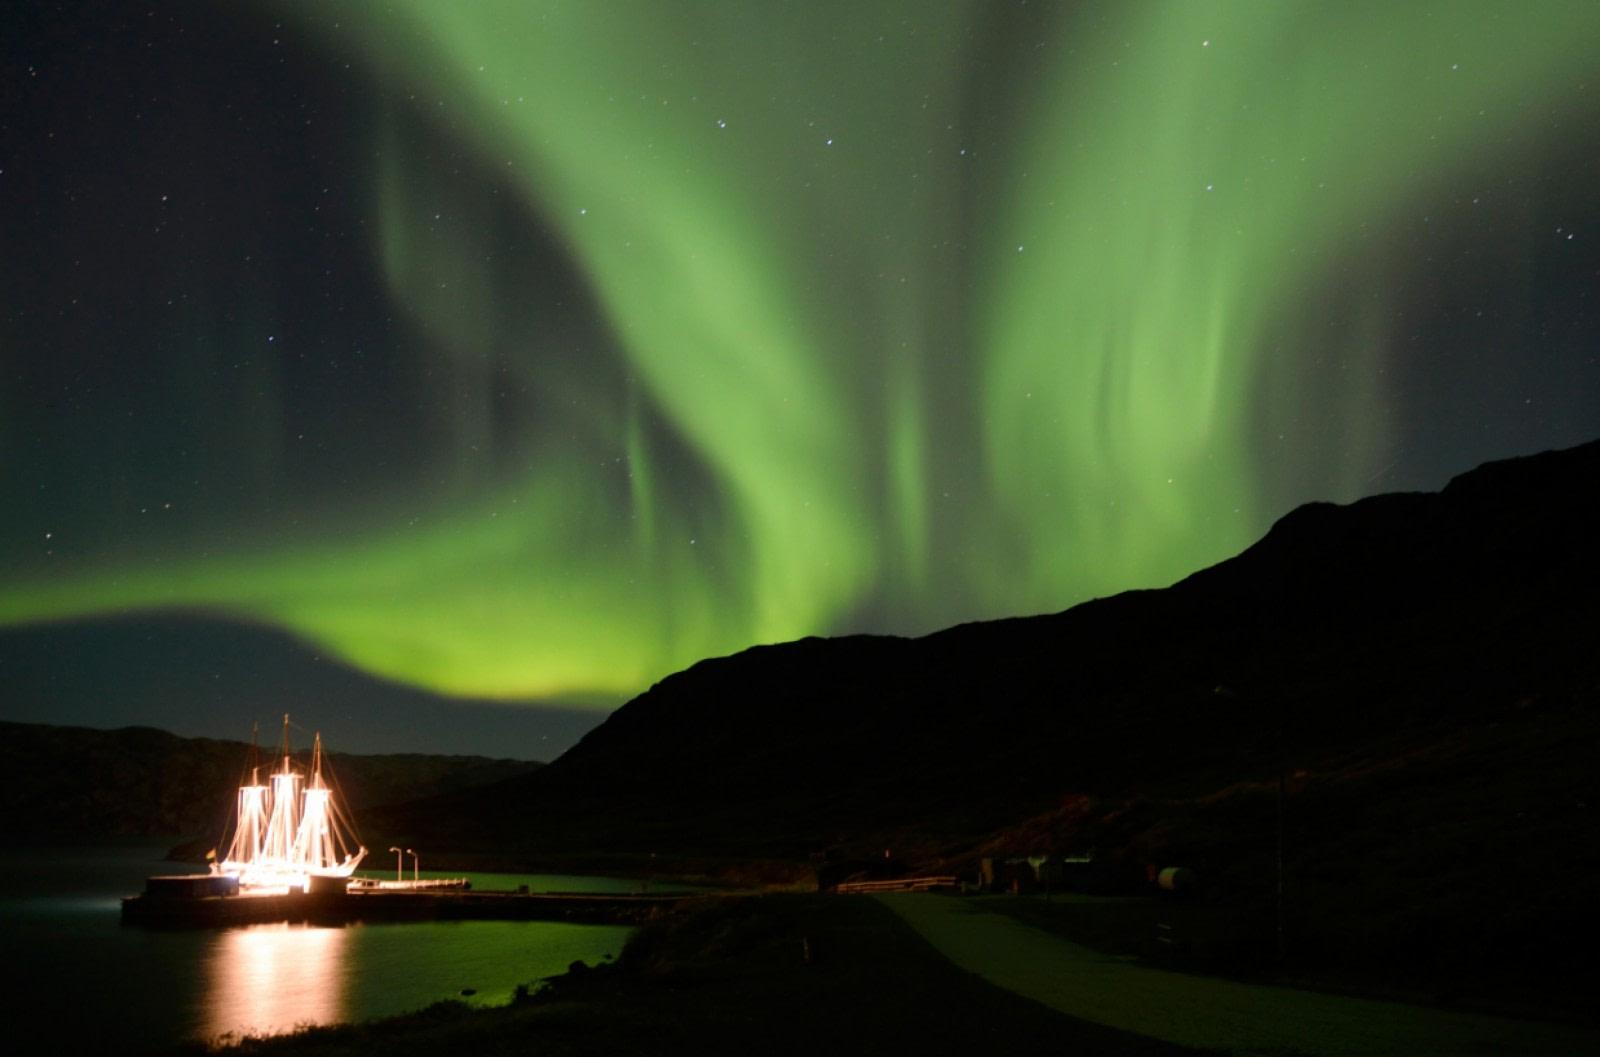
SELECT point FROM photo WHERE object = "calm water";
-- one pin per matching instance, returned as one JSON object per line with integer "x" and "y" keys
{"x": 75, "y": 979}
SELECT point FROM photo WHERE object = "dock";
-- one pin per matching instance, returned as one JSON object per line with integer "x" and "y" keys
{"x": 340, "y": 906}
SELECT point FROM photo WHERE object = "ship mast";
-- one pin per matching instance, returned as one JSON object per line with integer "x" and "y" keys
{"x": 278, "y": 847}
{"x": 314, "y": 846}
{"x": 252, "y": 821}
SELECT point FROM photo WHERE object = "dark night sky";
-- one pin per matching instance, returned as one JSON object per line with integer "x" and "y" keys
{"x": 526, "y": 352}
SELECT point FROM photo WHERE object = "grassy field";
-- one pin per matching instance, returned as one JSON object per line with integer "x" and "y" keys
{"x": 1239, "y": 944}
{"x": 1209, "y": 1012}
{"x": 778, "y": 974}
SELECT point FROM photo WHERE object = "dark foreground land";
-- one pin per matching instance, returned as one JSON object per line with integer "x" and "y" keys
{"x": 777, "y": 974}
{"x": 1208, "y": 940}
{"x": 1396, "y": 701}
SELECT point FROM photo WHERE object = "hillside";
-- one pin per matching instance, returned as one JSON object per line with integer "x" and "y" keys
{"x": 1397, "y": 617}
{"x": 1420, "y": 669}
{"x": 75, "y": 783}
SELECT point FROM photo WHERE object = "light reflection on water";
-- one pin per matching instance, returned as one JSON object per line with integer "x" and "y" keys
{"x": 268, "y": 979}
{"x": 67, "y": 960}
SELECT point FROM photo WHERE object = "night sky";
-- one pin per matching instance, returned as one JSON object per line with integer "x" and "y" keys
{"x": 534, "y": 350}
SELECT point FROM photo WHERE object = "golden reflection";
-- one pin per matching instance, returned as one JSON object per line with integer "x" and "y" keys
{"x": 268, "y": 979}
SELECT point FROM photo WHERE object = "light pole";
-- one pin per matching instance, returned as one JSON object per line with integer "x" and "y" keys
{"x": 397, "y": 874}
{"x": 416, "y": 866}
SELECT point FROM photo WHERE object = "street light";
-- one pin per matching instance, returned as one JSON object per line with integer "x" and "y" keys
{"x": 416, "y": 866}
{"x": 397, "y": 874}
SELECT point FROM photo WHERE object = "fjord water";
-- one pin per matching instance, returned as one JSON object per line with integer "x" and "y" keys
{"x": 76, "y": 980}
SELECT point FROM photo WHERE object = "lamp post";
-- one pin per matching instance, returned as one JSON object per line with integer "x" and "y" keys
{"x": 416, "y": 865}
{"x": 397, "y": 874}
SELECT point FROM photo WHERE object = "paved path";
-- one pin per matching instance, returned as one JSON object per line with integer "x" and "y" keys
{"x": 1206, "y": 1012}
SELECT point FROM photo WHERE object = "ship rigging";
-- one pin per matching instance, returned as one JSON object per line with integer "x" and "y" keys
{"x": 289, "y": 831}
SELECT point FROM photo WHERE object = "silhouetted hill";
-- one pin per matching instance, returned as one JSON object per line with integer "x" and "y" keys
{"x": 74, "y": 783}
{"x": 1345, "y": 627}
{"x": 1420, "y": 668}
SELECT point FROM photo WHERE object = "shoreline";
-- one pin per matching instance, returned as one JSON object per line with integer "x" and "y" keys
{"x": 728, "y": 975}
{"x": 775, "y": 974}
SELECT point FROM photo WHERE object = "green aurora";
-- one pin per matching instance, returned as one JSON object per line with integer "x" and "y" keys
{"x": 908, "y": 317}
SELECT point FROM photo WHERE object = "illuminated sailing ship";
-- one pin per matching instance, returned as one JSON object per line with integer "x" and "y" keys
{"x": 290, "y": 831}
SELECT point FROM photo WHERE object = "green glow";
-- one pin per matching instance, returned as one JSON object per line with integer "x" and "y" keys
{"x": 931, "y": 363}
{"x": 1206, "y": 162}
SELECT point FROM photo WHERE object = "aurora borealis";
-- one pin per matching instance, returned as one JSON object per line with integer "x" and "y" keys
{"x": 534, "y": 350}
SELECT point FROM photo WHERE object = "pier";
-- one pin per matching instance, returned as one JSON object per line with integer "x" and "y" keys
{"x": 339, "y": 906}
